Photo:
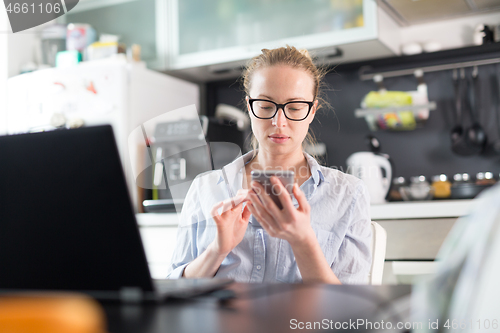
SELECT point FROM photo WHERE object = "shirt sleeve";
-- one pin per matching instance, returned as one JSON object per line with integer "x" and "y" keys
{"x": 186, "y": 249}
{"x": 354, "y": 256}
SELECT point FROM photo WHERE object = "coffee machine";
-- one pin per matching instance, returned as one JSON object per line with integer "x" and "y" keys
{"x": 181, "y": 150}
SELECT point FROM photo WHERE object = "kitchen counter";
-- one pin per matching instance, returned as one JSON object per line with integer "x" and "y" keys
{"x": 157, "y": 219}
{"x": 421, "y": 209}
{"x": 388, "y": 211}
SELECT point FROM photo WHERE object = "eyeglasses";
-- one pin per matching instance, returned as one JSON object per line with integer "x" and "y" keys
{"x": 265, "y": 109}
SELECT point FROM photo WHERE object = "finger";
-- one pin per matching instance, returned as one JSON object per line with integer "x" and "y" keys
{"x": 282, "y": 193}
{"x": 262, "y": 222}
{"x": 238, "y": 208}
{"x": 215, "y": 210}
{"x": 301, "y": 199}
{"x": 265, "y": 199}
{"x": 241, "y": 196}
{"x": 227, "y": 205}
{"x": 245, "y": 215}
{"x": 262, "y": 213}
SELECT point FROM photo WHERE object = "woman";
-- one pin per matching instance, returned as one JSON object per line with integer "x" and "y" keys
{"x": 322, "y": 235}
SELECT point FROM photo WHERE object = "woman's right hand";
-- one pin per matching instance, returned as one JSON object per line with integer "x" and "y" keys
{"x": 231, "y": 224}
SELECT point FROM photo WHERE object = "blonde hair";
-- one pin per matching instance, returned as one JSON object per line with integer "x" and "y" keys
{"x": 287, "y": 56}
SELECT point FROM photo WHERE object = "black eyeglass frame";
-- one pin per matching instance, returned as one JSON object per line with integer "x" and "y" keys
{"x": 278, "y": 107}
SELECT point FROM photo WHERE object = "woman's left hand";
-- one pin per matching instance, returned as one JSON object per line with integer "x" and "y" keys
{"x": 290, "y": 223}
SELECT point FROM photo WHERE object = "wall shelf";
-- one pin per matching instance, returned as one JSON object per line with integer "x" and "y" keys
{"x": 429, "y": 69}
{"x": 470, "y": 56}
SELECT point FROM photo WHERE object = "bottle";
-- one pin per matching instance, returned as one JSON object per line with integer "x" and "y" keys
{"x": 466, "y": 178}
{"x": 442, "y": 186}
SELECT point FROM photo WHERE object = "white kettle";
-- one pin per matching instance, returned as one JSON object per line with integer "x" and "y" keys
{"x": 368, "y": 167}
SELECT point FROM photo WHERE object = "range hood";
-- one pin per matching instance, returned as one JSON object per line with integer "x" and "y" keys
{"x": 410, "y": 12}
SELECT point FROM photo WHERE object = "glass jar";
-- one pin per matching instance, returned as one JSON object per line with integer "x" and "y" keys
{"x": 441, "y": 186}
{"x": 419, "y": 189}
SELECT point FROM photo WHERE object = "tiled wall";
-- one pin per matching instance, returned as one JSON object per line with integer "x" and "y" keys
{"x": 424, "y": 150}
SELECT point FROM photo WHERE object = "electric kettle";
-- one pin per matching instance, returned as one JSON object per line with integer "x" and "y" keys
{"x": 375, "y": 171}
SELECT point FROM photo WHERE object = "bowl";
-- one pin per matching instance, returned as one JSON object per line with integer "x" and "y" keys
{"x": 467, "y": 190}
{"x": 416, "y": 192}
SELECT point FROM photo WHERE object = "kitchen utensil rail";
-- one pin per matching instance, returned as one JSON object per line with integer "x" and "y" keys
{"x": 426, "y": 69}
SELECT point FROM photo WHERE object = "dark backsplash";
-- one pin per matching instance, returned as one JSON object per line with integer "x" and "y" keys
{"x": 423, "y": 151}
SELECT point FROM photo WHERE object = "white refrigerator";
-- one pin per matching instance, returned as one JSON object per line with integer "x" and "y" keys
{"x": 125, "y": 95}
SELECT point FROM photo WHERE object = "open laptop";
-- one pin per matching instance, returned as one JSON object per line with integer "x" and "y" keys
{"x": 67, "y": 223}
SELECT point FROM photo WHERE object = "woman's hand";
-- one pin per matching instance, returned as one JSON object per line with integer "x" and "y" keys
{"x": 289, "y": 223}
{"x": 231, "y": 224}
{"x": 294, "y": 226}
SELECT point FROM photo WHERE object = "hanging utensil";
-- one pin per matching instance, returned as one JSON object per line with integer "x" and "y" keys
{"x": 496, "y": 103}
{"x": 476, "y": 135}
{"x": 458, "y": 142}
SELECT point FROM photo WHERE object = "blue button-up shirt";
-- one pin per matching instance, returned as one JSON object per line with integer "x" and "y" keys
{"x": 340, "y": 218}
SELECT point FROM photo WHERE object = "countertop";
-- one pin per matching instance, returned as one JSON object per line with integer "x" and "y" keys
{"x": 421, "y": 209}
{"x": 388, "y": 211}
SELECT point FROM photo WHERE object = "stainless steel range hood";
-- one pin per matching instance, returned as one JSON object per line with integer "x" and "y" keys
{"x": 410, "y": 12}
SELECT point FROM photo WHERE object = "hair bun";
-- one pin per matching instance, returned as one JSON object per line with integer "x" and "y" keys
{"x": 305, "y": 53}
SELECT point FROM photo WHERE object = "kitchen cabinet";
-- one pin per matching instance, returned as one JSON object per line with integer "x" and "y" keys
{"x": 135, "y": 21}
{"x": 159, "y": 234}
{"x": 231, "y": 32}
{"x": 84, "y": 5}
{"x": 415, "y": 233}
{"x": 204, "y": 39}
{"x": 159, "y": 244}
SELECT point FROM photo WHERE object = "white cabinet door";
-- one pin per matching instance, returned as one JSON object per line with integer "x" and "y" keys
{"x": 159, "y": 243}
{"x": 135, "y": 21}
{"x": 418, "y": 239}
{"x": 217, "y": 31}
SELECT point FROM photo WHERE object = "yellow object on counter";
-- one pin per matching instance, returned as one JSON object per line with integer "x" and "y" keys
{"x": 442, "y": 188}
{"x": 50, "y": 313}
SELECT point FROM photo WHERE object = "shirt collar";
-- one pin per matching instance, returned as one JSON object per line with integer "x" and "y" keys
{"x": 316, "y": 172}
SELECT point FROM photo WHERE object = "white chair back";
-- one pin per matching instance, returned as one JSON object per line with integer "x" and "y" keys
{"x": 379, "y": 243}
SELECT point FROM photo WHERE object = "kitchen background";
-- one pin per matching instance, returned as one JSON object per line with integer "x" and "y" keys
{"x": 201, "y": 30}
{"x": 202, "y": 46}
{"x": 423, "y": 151}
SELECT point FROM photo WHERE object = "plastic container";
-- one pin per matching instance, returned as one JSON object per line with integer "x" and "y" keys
{"x": 79, "y": 36}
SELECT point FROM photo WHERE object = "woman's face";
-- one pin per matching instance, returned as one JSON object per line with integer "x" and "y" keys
{"x": 281, "y": 84}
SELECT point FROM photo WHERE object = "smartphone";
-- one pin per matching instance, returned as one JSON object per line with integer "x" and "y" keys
{"x": 287, "y": 178}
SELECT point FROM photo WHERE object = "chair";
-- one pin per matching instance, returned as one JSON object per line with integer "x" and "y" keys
{"x": 379, "y": 243}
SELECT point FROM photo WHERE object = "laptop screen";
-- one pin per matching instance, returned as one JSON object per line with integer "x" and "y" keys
{"x": 66, "y": 220}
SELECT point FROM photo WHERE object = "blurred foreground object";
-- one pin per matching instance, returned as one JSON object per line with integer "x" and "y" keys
{"x": 50, "y": 313}
{"x": 463, "y": 294}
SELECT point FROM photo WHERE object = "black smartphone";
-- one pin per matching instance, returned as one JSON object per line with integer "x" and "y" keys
{"x": 286, "y": 177}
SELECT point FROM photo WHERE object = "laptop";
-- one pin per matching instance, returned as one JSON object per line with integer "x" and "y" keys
{"x": 67, "y": 222}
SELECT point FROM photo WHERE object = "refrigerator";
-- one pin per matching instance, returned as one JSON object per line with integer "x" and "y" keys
{"x": 125, "y": 95}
